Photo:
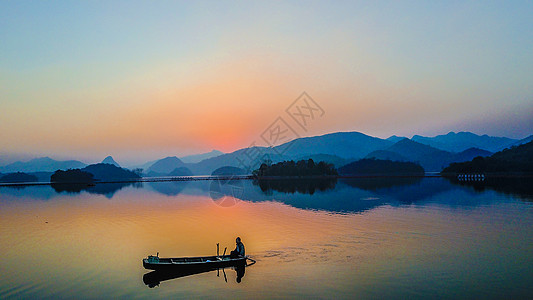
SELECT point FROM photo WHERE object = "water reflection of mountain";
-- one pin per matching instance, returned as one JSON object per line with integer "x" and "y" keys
{"x": 106, "y": 189}
{"x": 402, "y": 189}
{"x": 39, "y": 192}
{"x": 302, "y": 186}
{"x": 355, "y": 195}
{"x": 169, "y": 188}
{"x": 521, "y": 187}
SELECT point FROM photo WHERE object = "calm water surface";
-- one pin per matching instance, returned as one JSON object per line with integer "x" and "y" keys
{"x": 364, "y": 238}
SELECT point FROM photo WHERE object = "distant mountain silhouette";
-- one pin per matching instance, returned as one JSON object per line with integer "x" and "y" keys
{"x": 109, "y": 172}
{"x": 227, "y": 170}
{"x": 395, "y": 138}
{"x": 386, "y": 155}
{"x": 343, "y": 144}
{"x": 457, "y": 142}
{"x": 431, "y": 159}
{"x": 165, "y": 166}
{"x": 381, "y": 167}
{"x": 240, "y": 158}
{"x": 43, "y": 164}
{"x": 181, "y": 171}
{"x": 110, "y": 160}
{"x": 328, "y": 158}
{"x": 523, "y": 141}
{"x": 199, "y": 157}
{"x": 346, "y": 145}
{"x": 470, "y": 154}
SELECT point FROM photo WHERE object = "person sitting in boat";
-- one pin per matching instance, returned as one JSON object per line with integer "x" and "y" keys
{"x": 239, "y": 249}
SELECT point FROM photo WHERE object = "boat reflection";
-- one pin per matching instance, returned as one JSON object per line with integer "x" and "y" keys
{"x": 154, "y": 278}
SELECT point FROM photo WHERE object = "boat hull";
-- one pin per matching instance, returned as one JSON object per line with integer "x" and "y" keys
{"x": 193, "y": 263}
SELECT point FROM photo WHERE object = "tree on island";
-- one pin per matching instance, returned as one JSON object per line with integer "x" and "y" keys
{"x": 72, "y": 176}
{"x": 299, "y": 169}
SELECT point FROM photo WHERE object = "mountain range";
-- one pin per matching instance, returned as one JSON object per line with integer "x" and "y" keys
{"x": 340, "y": 148}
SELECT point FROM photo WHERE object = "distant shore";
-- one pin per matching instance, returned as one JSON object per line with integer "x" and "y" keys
{"x": 249, "y": 177}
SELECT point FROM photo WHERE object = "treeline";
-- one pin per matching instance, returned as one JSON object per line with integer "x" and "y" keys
{"x": 514, "y": 160}
{"x": 72, "y": 176}
{"x": 374, "y": 166}
{"x": 18, "y": 177}
{"x": 300, "y": 169}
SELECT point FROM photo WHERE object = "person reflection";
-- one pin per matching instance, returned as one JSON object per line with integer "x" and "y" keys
{"x": 240, "y": 272}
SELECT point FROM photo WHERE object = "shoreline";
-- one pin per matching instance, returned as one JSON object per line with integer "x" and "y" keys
{"x": 251, "y": 177}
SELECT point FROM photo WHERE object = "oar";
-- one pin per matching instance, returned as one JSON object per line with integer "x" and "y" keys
{"x": 225, "y": 251}
{"x": 218, "y": 254}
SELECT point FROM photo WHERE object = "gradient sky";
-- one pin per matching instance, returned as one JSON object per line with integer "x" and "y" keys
{"x": 145, "y": 79}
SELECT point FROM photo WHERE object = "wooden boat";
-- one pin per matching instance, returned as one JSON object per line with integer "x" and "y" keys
{"x": 191, "y": 263}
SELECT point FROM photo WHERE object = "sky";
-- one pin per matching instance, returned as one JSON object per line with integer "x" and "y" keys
{"x": 141, "y": 80}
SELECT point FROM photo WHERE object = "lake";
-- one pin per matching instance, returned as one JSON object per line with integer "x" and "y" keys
{"x": 349, "y": 238}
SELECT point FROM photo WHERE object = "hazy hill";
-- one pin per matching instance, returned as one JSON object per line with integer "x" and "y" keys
{"x": 328, "y": 158}
{"x": 381, "y": 167}
{"x": 181, "y": 171}
{"x": 110, "y": 160}
{"x": 227, "y": 170}
{"x": 43, "y": 164}
{"x": 457, "y": 142}
{"x": 241, "y": 158}
{"x": 395, "y": 138}
{"x": 199, "y": 157}
{"x": 108, "y": 172}
{"x": 343, "y": 144}
{"x": 386, "y": 155}
{"x": 523, "y": 141}
{"x": 514, "y": 160}
{"x": 431, "y": 159}
{"x": 165, "y": 165}
{"x": 470, "y": 154}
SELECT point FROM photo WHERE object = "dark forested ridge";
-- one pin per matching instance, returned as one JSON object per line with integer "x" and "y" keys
{"x": 299, "y": 169}
{"x": 18, "y": 177}
{"x": 72, "y": 176}
{"x": 381, "y": 167}
{"x": 517, "y": 159}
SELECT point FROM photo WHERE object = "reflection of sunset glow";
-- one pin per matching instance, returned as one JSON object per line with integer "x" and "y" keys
{"x": 102, "y": 241}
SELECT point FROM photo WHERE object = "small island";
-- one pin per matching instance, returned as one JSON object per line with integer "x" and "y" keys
{"x": 18, "y": 177}
{"x": 71, "y": 176}
{"x": 302, "y": 168}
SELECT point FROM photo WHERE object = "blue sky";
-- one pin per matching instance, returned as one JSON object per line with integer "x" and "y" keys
{"x": 143, "y": 78}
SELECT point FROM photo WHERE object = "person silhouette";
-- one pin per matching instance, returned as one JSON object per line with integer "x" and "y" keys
{"x": 239, "y": 249}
